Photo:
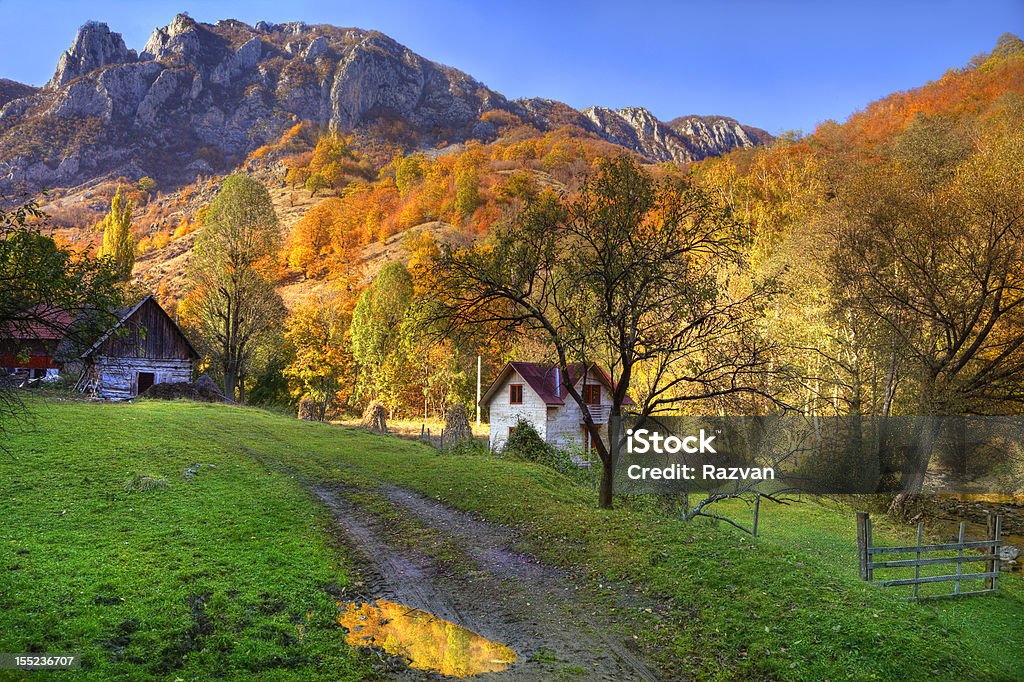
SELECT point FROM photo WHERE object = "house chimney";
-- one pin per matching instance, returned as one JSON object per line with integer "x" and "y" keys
{"x": 558, "y": 384}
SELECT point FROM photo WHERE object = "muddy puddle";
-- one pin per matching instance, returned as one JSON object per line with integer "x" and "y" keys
{"x": 425, "y": 641}
{"x": 460, "y": 570}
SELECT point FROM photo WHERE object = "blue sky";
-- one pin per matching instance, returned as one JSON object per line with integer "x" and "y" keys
{"x": 775, "y": 64}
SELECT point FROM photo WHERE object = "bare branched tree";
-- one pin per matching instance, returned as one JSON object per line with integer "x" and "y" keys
{"x": 641, "y": 275}
{"x": 938, "y": 261}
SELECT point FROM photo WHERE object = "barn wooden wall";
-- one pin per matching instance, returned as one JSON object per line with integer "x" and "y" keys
{"x": 149, "y": 333}
{"x": 116, "y": 378}
{"x": 148, "y": 341}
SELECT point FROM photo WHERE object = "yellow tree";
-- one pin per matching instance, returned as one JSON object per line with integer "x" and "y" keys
{"x": 319, "y": 332}
{"x": 118, "y": 242}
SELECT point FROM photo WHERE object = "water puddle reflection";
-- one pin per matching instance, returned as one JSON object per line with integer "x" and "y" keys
{"x": 426, "y": 641}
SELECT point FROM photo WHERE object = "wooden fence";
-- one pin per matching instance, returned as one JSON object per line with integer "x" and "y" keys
{"x": 990, "y": 557}
{"x": 439, "y": 439}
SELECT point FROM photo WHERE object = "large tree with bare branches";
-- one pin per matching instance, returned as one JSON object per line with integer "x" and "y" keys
{"x": 642, "y": 275}
{"x": 932, "y": 251}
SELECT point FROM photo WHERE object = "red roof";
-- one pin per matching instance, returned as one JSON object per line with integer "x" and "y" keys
{"x": 547, "y": 382}
{"x": 42, "y": 323}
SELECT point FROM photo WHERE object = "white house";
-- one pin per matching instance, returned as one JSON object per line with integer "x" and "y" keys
{"x": 538, "y": 393}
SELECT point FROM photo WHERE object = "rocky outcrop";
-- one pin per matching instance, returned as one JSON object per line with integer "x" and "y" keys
{"x": 712, "y": 134}
{"x": 685, "y": 139}
{"x": 180, "y": 38}
{"x": 638, "y": 129}
{"x": 200, "y": 97}
{"x": 380, "y": 78}
{"x": 94, "y": 47}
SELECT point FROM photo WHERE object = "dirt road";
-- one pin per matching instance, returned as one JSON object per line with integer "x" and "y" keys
{"x": 421, "y": 553}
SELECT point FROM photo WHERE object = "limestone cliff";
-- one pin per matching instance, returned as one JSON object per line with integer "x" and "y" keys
{"x": 199, "y": 97}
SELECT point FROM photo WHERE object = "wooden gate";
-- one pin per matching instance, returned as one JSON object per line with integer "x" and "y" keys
{"x": 954, "y": 553}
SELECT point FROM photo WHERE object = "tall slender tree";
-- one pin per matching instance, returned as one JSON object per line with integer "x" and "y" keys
{"x": 376, "y": 323}
{"x": 118, "y": 241}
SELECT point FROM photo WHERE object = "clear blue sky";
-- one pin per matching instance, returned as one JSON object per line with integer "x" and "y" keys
{"x": 778, "y": 64}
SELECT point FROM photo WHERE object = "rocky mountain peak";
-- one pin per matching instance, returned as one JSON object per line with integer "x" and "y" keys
{"x": 688, "y": 138}
{"x": 95, "y": 46}
{"x": 183, "y": 38}
{"x": 200, "y": 97}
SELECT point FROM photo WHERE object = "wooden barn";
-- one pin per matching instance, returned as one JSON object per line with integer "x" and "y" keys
{"x": 145, "y": 347}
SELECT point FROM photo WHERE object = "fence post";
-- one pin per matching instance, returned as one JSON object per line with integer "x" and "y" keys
{"x": 917, "y": 568}
{"x": 992, "y": 564}
{"x": 959, "y": 553}
{"x": 999, "y": 542}
{"x": 757, "y": 512}
{"x": 995, "y": 529}
{"x": 864, "y": 544}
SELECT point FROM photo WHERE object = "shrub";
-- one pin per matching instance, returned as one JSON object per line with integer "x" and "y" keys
{"x": 525, "y": 443}
{"x": 140, "y": 483}
{"x": 470, "y": 447}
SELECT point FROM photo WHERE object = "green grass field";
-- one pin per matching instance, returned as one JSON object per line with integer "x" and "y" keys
{"x": 233, "y": 573}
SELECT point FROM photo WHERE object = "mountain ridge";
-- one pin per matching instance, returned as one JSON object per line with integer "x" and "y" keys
{"x": 12, "y": 90}
{"x": 199, "y": 97}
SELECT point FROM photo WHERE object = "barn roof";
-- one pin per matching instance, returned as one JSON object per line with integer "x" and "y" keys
{"x": 541, "y": 378}
{"x": 42, "y": 323}
{"x": 128, "y": 315}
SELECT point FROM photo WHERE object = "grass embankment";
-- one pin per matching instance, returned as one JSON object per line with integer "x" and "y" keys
{"x": 244, "y": 542}
{"x": 230, "y": 573}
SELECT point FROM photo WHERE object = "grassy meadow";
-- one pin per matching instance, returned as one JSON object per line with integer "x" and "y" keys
{"x": 109, "y": 550}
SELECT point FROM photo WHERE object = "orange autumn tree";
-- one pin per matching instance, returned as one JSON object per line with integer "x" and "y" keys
{"x": 472, "y": 190}
{"x": 313, "y": 238}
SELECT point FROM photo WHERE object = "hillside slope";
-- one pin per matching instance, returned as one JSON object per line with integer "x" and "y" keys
{"x": 212, "y": 573}
{"x": 12, "y": 90}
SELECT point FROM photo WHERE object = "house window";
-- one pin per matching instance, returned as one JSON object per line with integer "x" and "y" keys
{"x": 592, "y": 394}
{"x": 515, "y": 394}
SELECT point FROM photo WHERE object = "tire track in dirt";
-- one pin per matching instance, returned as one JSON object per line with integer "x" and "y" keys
{"x": 545, "y": 614}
